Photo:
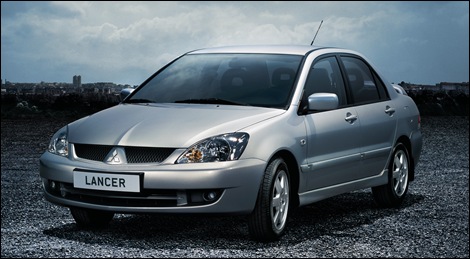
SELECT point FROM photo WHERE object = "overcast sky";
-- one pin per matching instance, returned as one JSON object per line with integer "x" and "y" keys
{"x": 125, "y": 42}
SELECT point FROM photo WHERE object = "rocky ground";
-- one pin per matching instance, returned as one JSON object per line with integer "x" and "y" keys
{"x": 432, "y": 223}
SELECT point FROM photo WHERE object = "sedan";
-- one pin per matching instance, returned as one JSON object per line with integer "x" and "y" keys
{"x": 246, "y": 130}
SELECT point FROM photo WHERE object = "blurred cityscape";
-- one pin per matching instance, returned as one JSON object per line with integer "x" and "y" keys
{"x": 58, "y": 89}
{"x": 77, "y": 99}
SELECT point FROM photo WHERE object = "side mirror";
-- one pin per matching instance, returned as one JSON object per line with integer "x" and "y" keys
{"x": 125, "y": 92}
{"x": 323, "y": 101}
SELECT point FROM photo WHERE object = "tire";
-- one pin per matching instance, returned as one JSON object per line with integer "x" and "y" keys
{"x": 88, "y": 218}
{"x": 393, "y": 193}
{"x": 268, "y": 220}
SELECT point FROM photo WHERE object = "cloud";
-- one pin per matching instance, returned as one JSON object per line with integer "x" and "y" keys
{"x": 125, "y": 42}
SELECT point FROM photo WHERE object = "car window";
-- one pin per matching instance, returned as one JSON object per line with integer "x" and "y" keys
{"x": 325, "y": 77}
{"x": 361, "y": 81}
{"x": 264, "y": 80}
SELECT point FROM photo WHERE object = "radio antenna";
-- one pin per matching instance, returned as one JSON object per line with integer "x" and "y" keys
{"x": 316, "y": 33}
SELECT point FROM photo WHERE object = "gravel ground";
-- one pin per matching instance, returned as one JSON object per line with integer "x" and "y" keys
{"x": 432, "y": 223}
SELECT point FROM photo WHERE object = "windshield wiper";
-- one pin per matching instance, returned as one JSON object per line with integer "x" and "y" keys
{"x": 210, "y": 101}
{"x": 139, "y": 101}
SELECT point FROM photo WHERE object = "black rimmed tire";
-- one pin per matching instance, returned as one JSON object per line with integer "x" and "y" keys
{"x": 88, "y": 218}
{"x": 268, "y": 220}
{"x": 393, "y": 193}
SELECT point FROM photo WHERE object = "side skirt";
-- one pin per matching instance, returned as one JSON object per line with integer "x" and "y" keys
{"x": 330, "y": 191}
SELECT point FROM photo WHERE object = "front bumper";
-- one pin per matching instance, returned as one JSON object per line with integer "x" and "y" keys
{"x": 223, "y": 187}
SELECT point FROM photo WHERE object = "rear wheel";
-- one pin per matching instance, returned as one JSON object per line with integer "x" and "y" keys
{"x": 393, "y": 193}
{"x": 88, "y": 218}
{"x": 268, "y": 220}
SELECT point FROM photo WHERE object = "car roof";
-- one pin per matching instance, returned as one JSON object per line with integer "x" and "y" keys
{"x": 267, "y": 49}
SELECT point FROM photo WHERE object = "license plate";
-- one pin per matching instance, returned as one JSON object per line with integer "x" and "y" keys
{"x": 106, "y": 182}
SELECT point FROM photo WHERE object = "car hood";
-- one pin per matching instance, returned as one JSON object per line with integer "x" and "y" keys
{"x": 164, "y": 125}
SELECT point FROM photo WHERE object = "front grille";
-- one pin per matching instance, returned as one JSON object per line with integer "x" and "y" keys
{"x": 92, "y": 152}
{"x": 147, "y": 154}
{"x": 134, "y": 155}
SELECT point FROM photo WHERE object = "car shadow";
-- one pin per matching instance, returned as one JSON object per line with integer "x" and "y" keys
{"x": 334, "y": 216}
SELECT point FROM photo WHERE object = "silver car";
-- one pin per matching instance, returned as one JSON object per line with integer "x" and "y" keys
{"x": 254, "y": 130}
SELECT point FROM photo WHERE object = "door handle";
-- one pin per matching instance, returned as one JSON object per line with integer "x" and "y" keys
{"x": 351, "y": 118}
{"x": 389, "y": 110}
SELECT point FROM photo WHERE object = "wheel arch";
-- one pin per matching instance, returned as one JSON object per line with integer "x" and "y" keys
{"x": 294, "y": 178}
{"x": 407, "y": 143}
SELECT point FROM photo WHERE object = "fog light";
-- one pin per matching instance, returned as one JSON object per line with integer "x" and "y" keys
{"x": 210, "y": 196}
{"x": 52, "y": 185}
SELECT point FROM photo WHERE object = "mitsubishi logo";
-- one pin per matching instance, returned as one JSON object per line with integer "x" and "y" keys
{"x": 116, "y": 156}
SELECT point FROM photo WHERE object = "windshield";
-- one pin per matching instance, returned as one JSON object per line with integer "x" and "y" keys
{"x": 264, "y": 80}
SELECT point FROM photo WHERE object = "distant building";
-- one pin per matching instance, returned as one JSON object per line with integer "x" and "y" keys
{"x": 460, "y": 87}
{"x": 77, "y": 81}
{"x": 443, "y": 86}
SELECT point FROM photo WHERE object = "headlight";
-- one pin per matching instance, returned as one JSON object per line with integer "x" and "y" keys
{"x": 227, "y": 147}
{"x": 59, "y": 144}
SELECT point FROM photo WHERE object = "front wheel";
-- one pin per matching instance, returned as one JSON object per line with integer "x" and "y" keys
{"x": 88, "y": 218}
{"x": 268, "y": 220}
{"x": 393, "y": 193}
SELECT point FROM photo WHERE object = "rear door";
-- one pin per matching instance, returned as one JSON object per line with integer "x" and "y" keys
{"x": 375, "y": 112}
